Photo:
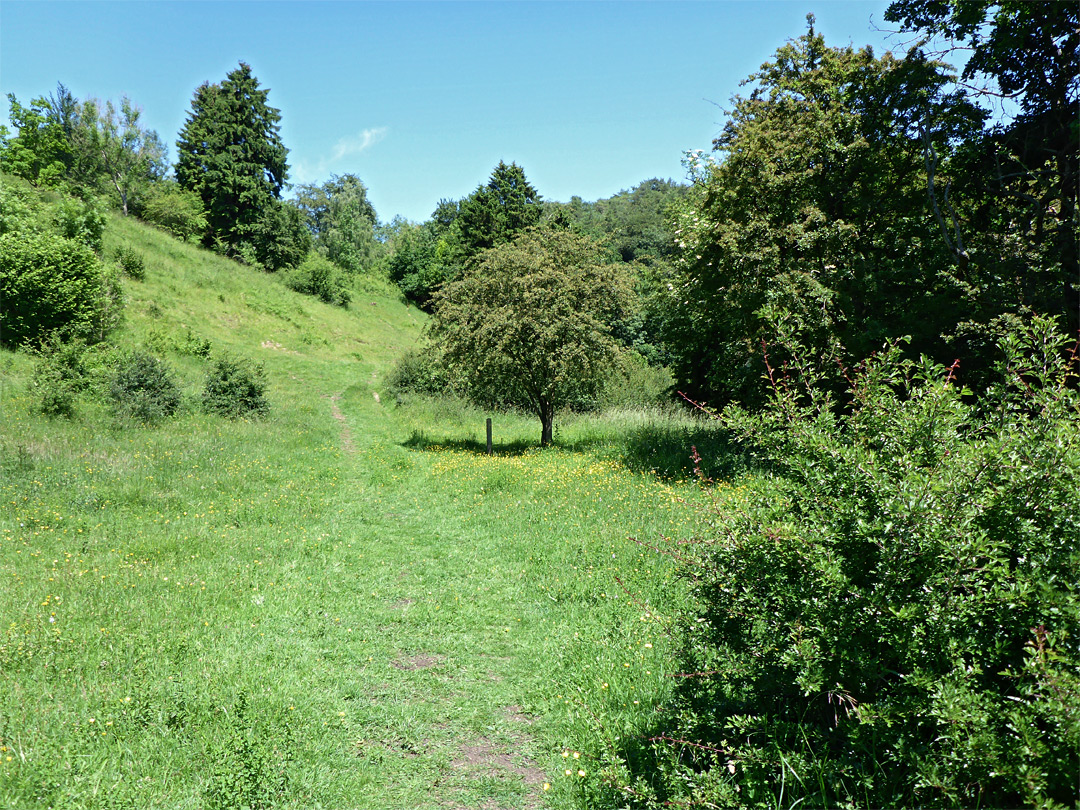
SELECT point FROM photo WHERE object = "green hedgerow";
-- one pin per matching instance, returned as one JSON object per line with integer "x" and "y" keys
{"x": 235, "y": 387}
{"x": 143, "y": 389}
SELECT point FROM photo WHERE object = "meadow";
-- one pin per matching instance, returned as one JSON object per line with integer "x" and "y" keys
{"x": 344, "y": 603}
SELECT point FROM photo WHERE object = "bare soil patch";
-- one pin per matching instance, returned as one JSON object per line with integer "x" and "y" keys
{"x": 421, "y": 661}
{"x": 484, "y": 758}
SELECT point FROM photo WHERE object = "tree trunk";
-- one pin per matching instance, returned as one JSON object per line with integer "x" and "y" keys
{"x": 547, "y": 418}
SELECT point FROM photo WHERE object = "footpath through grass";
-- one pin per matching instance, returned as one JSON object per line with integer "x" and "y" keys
{"x": 345, "y": 604}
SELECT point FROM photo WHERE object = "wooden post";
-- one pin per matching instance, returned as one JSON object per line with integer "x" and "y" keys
{"x": 489, "y": 435}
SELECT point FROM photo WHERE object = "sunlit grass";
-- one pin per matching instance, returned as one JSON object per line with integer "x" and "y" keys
{"x": 346, "y": 603}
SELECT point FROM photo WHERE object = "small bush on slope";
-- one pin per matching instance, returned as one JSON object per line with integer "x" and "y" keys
{"x": 235, "y": 387}
{"x": 892, "y": 618}
{"x": 320, "y": 277}
{"x": 143, "y": 389}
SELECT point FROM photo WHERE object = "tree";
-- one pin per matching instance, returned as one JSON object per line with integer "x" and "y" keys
{"x": 230, "y": 152}
{"x": 817, "y": 205}
{"x": 40, "y": 152}
{"x": 1021, "y": 177}
{"x": 495, "y": 213}
{"x": 341, "y": 220}
{"x": 128, "y": 156}
{"x": 529, "y": 323}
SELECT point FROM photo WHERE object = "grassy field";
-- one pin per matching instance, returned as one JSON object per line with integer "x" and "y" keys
{"x": 345, "y": 604}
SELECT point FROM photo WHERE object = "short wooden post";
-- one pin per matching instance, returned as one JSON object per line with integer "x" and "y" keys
{"x": 489, "y": 435}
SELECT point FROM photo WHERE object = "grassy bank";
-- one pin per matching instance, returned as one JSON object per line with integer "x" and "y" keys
{"x": 343, "y": 604}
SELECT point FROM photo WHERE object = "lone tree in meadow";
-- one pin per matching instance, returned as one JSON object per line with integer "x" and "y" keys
{"x": 528, "y": 325}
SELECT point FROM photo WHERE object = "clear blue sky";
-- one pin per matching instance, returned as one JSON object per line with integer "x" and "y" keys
{"x": 421, "y": 100}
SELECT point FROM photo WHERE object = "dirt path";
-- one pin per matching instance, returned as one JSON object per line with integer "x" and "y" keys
{"x": 346, "y": 434}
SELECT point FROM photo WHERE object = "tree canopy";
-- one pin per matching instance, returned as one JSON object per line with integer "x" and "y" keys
{"x": 496, "y": 212}
{"x": 341, "y": 220}
{"x": 528, "y": 325}
{"x": 230, "y": 152}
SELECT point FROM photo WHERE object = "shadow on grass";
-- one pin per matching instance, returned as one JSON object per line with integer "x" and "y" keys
{"x": 667, "y": 451}
{"x": 420, "y": 440}
{"x": 663, "y": 450}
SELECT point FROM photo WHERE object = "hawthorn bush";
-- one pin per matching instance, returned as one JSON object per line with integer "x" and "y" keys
{"x": 143, "y": 389}
{"x": 890, "y": 614}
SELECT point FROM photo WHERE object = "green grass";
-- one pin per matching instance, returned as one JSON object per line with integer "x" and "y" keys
{"x": 343, "y": 604}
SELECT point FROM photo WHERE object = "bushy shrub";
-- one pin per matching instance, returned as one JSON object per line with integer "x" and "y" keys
{"x": 235, "y": 387}
{"x": 131, "y": 262}
{"x": 176, "y": 210}
{"x": 48, "y": 283}
{"x": 60, "y": 374}
{"x": 18, "y": 208}
{"x": 636, "y": 383}
{"x": 81, "y": 220}
{"x": 890, "y": 617}
{"x": 419, "y": 371}
{"x": 322, "y": 278}
{"x": 143, "y": 389}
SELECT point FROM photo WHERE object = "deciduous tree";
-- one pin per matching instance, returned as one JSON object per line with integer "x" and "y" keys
{"x": 528, "y": 325}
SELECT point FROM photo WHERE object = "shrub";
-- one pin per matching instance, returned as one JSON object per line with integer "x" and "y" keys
{"x": 235, "y": 387}
{"x": 419, "y": 371}
{"x": 890, "y": 618}
{"x": 48, "y": 283}
{"x": 635, "y": 384}
{"x": 131, "y": 262}
{"x": 177, "y": 210}
{"x": 320, "y": 277}
{"x": 143, "y": 389}
{"x": 18, "y": 208}
{"x": 81, "y": 220}
{"x": 60, "y": 375}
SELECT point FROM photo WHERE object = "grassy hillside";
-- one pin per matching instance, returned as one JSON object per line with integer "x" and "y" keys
{"x": 341, "y": 604}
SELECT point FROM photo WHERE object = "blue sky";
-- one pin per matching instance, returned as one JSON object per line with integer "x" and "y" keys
{"x": 421, "y": 100}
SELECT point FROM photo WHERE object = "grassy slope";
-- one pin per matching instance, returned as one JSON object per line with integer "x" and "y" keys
{"x": 341, "y": 605}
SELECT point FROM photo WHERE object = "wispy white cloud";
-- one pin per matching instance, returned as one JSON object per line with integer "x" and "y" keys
{"x": 308, "y": 172}
{"x": 357, "y": 143}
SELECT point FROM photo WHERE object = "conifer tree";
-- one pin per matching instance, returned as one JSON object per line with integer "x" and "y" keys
{"x": 231, "y": 154}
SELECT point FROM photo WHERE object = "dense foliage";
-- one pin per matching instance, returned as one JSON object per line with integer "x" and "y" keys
{"x": 892, "y": 620}
{"x": 235, "y": 387}
{"x": 176, "y": 210}
{"x": 342, "y": 222}
{"x": 855, "y": 191}
{"x": 528, "y": 325}
{"x": 143, "y": 388}
{"x": 424, "y": 257}
{"x": 231, "y": 155}
{"x": 320, "y": 277}
{"x": 48, "y": 283}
